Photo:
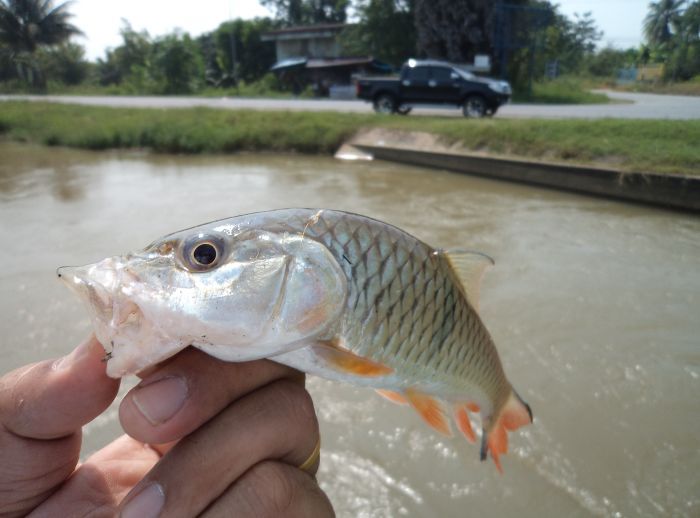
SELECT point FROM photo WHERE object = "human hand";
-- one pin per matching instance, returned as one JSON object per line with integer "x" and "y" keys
{"x": 204, "y": 438}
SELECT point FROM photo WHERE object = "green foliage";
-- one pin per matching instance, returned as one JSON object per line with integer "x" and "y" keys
{"x": 641, "y": 145}
{"x": 27, "y": 26}
{"x": 176, "y": 65}
{"x": 385, "y": 30}
{"x": 253, "y": 57}
{"x": 64, "y": 63}
{"x": 308, "y": 12}
{"x": 672, "y": 29}
{"x": 658, "y": 23}
{"x": 131, "y": 58}
{"x": 563, "y": 90}
{"x": 455, "y": 30}
{"x": 607, "y": 61}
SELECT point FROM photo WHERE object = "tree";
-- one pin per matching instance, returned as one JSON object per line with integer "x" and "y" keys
{"x": 308, "y": 12}
{"x": 253, "y": 57}
{"x": 659, "y": 21}
{"x": 672, "y": 30}
{"x": 28, "y": 25}
{"x": 455, "y": 30}
{"x": 385, "y": 30}
{"x": 128, "y": 60}
{"x": 176, "y": 66}
{"x": 64, "y": 63}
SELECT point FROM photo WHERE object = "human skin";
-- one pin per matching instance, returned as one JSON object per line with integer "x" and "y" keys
{"x": 203, "y": 438}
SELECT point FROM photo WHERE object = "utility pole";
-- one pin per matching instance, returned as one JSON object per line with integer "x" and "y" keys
{"x": 233, "y": 45}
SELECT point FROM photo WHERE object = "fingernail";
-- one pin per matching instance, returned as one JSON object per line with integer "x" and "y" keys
{"x": 74, "y": 357}
{"x": 160, "y": 400}
{"x": 147, "y": 504}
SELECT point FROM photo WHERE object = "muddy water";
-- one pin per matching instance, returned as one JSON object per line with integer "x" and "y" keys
{"x": 594, "y": 305}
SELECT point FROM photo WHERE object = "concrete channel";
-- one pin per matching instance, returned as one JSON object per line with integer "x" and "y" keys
{"x": 665, "y": 190}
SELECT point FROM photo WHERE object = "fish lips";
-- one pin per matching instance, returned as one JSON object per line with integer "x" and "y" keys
{"x": 94, "y": 284}
{"x": 98, "y": 286}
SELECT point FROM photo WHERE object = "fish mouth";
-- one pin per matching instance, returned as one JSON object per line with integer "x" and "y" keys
{"x": 95, "y": 284}
{"x": 132, "y": 342}
{"x": 99, "y": 286}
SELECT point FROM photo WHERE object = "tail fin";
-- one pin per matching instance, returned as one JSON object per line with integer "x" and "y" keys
{"x": 514, "y": 414}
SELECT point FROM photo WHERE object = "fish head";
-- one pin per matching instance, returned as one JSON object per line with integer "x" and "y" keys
{"x": 237, "y": 293}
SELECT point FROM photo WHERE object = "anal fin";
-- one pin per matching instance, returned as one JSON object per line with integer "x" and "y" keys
{"x": 430, "y": 409}
{"x": 392, "y": 396}
{"x": 463, "y": 423}
{"x": 349, "y": 362}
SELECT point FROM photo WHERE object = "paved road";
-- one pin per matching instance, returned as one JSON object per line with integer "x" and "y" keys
{"x": 628, "y": 106}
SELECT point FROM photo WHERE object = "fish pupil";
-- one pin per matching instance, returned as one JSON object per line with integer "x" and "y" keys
{"x": 204, "y": 254}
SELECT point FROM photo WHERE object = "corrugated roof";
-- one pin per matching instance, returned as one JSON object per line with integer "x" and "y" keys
{"x": 337, "y": 62}
{"x": 289, "y": 63}
{"x": 308, "y": 28}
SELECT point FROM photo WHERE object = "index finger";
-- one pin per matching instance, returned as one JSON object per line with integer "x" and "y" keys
{"x": 53, "y": 399}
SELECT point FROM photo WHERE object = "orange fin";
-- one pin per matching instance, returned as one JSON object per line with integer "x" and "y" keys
{"x": 514, "y": 414}
{"x": 392, "y": 396}
{"x": 431, "y": 410}
{"x": 349, "y": 362}
{"x": 463, "y": 423}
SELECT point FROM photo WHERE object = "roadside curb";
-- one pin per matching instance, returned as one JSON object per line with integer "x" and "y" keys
{"x": 670, "y": 191}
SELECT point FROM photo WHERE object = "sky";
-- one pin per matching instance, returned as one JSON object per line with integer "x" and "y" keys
{"x": 100, "y": 20}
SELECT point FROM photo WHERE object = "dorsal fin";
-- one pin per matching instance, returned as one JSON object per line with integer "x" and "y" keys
{"x": 470, "y": 268}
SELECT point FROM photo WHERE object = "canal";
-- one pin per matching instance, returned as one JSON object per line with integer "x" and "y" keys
{"x": 594, "y": 306}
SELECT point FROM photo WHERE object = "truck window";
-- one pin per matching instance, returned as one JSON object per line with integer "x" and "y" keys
{"x": 441, "y": 74}
{"x": 418, "y": 73}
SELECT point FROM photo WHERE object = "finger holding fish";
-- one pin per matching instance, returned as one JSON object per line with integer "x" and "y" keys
{"x": 222, "y": 450}
{"x": 183, "y": 393}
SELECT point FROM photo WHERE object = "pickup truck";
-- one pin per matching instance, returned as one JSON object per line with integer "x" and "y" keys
{"x": 435, "y": 83}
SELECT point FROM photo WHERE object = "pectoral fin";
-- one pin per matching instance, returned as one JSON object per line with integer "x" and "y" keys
{"x": 349, "y": 362}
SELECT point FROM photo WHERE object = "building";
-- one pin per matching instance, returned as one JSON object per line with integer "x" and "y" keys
{"x": 313, "y": 55}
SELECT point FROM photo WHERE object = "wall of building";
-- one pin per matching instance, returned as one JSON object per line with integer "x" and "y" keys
{"x": 311, "y": 48}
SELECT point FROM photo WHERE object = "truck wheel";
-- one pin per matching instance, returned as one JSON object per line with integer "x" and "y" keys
{"x": 385, "y": 103}
{"x": 474, "y": 106}
{"x": 403, "y": 109}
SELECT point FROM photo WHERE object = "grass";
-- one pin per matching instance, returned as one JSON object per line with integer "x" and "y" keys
{"x": 691, "y": 87}
{"x": 640, "y": 145}
{"x": 564, "y": 90}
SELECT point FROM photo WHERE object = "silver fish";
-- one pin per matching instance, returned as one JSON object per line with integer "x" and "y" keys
{"x": 334, "y": 294}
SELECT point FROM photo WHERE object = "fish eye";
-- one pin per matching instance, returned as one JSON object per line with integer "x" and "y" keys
{"x": 202, "y": 252}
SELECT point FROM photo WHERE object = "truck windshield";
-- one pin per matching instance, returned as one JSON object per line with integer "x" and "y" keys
{"x": 466, "y": 74}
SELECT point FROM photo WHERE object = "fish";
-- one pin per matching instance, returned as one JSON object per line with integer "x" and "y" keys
{"x": 331, "y": 293}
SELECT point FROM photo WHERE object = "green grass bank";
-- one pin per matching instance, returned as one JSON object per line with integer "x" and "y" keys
{"x": 631, "y": 145}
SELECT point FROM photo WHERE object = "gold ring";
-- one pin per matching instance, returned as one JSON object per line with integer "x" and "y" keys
{"x": 311, "y": 460}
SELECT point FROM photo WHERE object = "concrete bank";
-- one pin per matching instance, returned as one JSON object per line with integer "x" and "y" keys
{"x": 670, "y": 191}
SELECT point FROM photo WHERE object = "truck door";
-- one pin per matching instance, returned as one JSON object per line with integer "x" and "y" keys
{"x": 414, "y": 84}
{"x": 444, "y": 85}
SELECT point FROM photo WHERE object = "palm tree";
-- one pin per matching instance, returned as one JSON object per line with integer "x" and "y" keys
{"x": 26, "y": 26}
{"x": 658, "y": 23}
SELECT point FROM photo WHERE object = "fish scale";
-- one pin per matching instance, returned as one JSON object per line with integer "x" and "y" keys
{"x": 442, "y": 336}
